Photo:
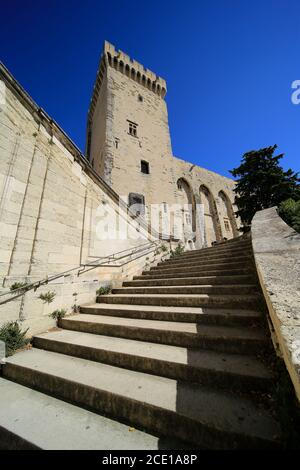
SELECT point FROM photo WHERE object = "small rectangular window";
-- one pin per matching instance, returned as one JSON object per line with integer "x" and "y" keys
{"x": 145, "y": 167}
{"x": 227, "y": 226}
{"x": 132, "y": 128}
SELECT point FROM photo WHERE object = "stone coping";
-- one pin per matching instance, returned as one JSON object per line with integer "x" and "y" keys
{"x": 276, "y": 249}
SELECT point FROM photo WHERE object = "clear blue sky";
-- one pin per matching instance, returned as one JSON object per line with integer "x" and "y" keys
{"x": 229, "y": 65}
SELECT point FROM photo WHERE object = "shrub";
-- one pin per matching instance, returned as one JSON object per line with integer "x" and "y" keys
{"x": 58, "y": 314}
{"x": 13, "y": 337}
{"x": 19, "y": 287}
{"x": 48, "y": 297}
{"x": 178, "y": 250}
{"x": 103, "y": 290}
{"x": 289, "y": 210}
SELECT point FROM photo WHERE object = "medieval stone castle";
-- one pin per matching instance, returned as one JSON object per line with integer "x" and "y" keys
{"x": 167, "y": 344}
{"x": 129, "y": 146}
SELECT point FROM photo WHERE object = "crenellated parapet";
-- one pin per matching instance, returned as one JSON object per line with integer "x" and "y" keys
{"x": 129, "y": 67}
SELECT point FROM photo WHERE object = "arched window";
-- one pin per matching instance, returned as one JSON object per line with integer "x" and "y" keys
{"x": 127, "y": 70}
{"x": 138, "y": 77}
{"x": 210, "y": 216}
{"x": 121, "y": 66}
{"x": 187, "y": 207}
{"x": 227, "y": 216}
{"x": 109, "y": 58}
{"x": 133, "y": 74}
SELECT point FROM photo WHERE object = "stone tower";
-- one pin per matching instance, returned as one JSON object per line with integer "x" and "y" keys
{"x": 128, "y": 139}
{"x": 129, "y": 146}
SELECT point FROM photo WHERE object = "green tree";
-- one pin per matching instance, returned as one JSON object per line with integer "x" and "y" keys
{"x": 262, "y": 183}
{"x": 289, "y": 210}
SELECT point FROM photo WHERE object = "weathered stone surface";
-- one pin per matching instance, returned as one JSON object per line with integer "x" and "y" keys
{"x": 48, "y": 215}
{"x": 277, "y": 255}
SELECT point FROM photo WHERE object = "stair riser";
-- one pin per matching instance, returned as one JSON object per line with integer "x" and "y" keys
{"x": 199, "y": 267}
{"x": 238, "y": 302}
{"x": 227, "y": 290}
{"x": 226, "y": 246}
{"x": 220, "y": 280}
{"x": 208, "y": 259}
{"x": 201, "y": 259}
{"x": 218, "y": 253}
{"x": 213, "y": 250}
{"x": 140, "y": 414}
{"x": 175, "y": 338}
{"x": 192, "y": 273}
{"x": 203, "y": 319}
{"x": 162, "y": 368}
{"x": 204, "y": 262}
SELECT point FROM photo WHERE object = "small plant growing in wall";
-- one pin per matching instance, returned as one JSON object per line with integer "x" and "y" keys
{"x": 75, "y": 307}
{"x": 58, "y": 314}
{"x": 103, "y": 290}
{"x": 178, "y": 250}
{"x": 47, "y": 297}
{"x": 18, "y": 287}
{"x": 161, "y": 249}
{"x": 13, "y": 337}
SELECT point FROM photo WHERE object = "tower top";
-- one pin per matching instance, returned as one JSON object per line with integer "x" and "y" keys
{"x": 131, "y": 68}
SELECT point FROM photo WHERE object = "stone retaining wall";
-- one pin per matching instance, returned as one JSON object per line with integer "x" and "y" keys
{"x": 276, "y": 249}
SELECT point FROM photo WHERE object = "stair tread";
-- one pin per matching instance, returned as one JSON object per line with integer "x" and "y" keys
{"x": 183, "y": 296}
{"x": 214, "y": 409}
{"x": 51, "y": 424}
{"x": 183, "y": 327}
{"x": 195, "y": 310}
{"x": 235, "y": 276}
{"x": 192, "y": 286}
{"x": 198, "y": 358}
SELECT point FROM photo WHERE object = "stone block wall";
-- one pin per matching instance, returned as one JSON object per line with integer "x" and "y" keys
{"x": 55, "y": 214}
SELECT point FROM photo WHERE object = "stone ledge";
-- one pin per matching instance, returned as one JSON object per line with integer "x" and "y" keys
{"x": 276, "y": 248}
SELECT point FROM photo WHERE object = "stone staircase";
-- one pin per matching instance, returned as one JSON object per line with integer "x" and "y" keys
{"x": 180, "y": 351}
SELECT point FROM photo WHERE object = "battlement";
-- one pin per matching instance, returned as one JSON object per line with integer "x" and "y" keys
{"x": 129, "y": 67}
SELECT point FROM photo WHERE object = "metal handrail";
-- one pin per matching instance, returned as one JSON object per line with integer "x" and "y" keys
{"x": 105, "y": 262}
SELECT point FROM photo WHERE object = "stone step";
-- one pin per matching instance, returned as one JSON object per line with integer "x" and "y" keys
{"x": 228, "y": 371}
{"x": 220, "y": 257}
{"x": 197, "y": 266}
{"x": 184, "y": 300}
{"x": 219, "y": 249}
{"x": 201, "y": 256}
{"x": 222, "y": 247}
{"x": 179, "y": 314}
{"x": 228, "y": 261}
{"x": 202, "y": 416}
{"x": 186, "y": 289}
{"x": 189, "y": 281}
{"x": 31, "y": 420}
{"x": 236, "y": 340}
{"x": 195, "y": 272}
